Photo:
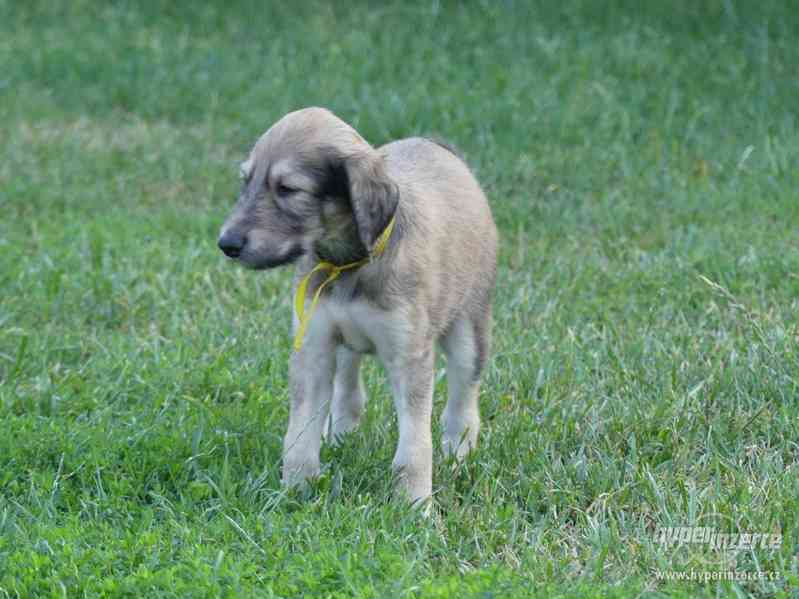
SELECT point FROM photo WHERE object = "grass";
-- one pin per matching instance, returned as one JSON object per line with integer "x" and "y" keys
{"x": 641, "y": 160}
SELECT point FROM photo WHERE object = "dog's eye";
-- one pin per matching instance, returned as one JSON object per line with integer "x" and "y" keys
{"x": 284, "y": 190}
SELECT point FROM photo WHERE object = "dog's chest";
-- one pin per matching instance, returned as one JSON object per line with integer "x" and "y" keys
{"x": 356, "y": 324}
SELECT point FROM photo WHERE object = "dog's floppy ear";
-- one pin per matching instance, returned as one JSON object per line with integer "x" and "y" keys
{"x": 373, "y": 195}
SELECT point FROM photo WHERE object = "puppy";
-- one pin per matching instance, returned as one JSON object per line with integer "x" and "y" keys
{"x": 395, "y": 249}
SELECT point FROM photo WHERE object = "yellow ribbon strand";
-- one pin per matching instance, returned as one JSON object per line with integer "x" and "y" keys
{"x": 302, "y": 289}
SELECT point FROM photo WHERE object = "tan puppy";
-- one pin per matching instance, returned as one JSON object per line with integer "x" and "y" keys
{"x": 314, "y": 190}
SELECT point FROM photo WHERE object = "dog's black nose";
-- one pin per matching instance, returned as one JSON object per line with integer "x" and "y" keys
{"x": 232, "y": 242}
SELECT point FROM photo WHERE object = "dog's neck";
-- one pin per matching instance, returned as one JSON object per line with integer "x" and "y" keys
{"x": 341, "y": 246}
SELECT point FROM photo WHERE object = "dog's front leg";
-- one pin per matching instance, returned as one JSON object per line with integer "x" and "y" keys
{"x": 412, "y": 385}
{"x": 311, "y": 386}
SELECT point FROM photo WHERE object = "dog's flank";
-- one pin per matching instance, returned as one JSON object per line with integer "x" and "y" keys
{"x": 316, "y": 191}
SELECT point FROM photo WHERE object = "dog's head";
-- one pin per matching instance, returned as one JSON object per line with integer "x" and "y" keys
{"x": 310, "y": 185}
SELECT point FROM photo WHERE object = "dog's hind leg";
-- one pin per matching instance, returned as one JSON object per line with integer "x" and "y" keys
{"x": 466, "y": 345}
{"x": 348, "y": 394}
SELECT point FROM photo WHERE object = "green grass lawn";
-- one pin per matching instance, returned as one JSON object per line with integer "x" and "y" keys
{"x": 642, "y": 161}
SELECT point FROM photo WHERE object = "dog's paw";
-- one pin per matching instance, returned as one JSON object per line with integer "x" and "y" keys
{"x": 298, "y": 474}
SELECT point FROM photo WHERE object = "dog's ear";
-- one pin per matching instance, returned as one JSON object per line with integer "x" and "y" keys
{"x": 373, "y": 195}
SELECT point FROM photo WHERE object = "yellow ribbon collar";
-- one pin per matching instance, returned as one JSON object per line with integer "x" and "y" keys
{"x": 335, "y": 271}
